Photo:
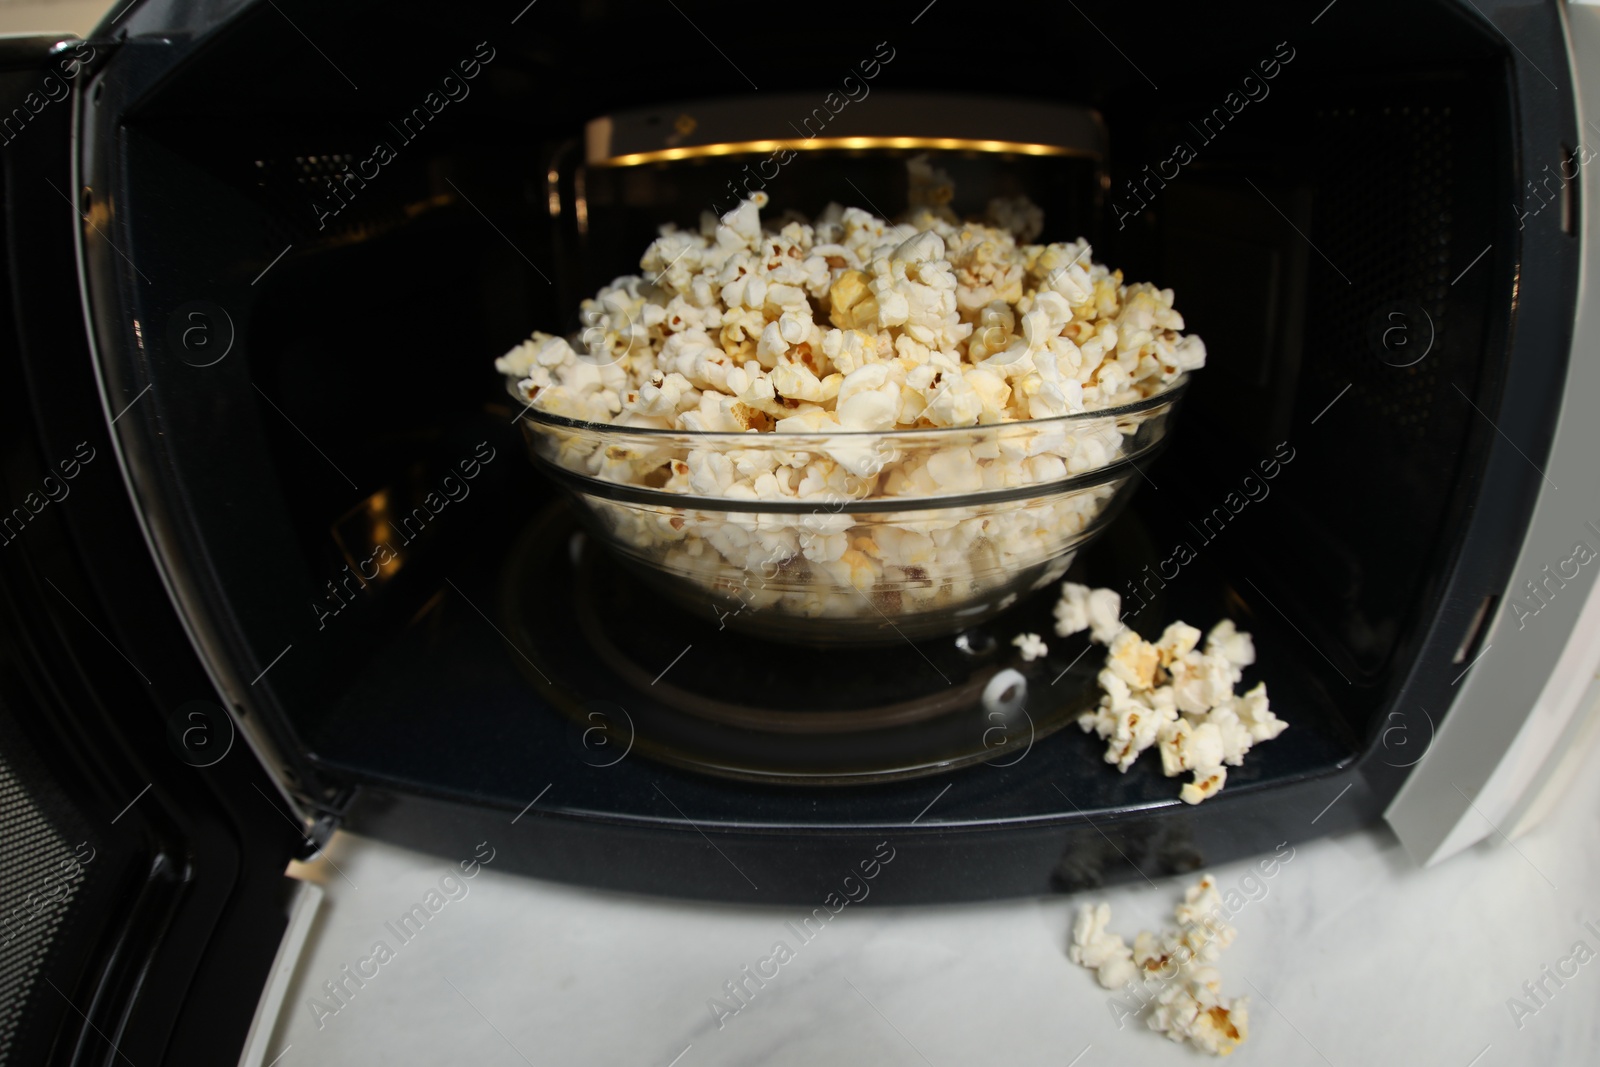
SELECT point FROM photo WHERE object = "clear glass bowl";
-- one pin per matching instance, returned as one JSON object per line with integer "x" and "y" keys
{"x": 890, "y": 535}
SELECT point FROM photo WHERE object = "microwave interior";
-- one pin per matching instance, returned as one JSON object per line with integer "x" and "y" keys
{"x": 458, "y": 681}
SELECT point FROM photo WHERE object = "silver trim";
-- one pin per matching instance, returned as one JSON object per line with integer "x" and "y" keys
{"x": 1504, "y": 731}
{"x": 303, "y": 909}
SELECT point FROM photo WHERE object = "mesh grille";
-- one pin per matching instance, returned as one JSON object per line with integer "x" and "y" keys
{"x": 1391, "y": 194}
{"x": 291, "y": 187}
{"x": 1396, "y": 195}
{"x": 43, "y": 870}
{"x": 1404, "y": 204}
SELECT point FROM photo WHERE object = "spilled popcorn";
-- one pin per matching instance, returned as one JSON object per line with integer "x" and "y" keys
{"x": 1170, "y": 693}
{"x": 1096, "y": 610}
{"x": 1188, "y": 1004}
{"x": 1031, "y": 646}
{"x": 848, "y": 325}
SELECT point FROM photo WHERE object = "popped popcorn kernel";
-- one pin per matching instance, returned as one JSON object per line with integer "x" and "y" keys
{"x": 1099, "y": 950}
{"x": 1171, "y": 972}
{"x": 1032, "y": 646}
{"x": 1169, "y": 695}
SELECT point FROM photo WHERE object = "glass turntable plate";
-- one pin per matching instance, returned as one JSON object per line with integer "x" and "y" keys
{"x": 637, "y": 674}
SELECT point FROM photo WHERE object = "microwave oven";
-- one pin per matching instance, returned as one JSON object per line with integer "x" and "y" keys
{"x": 275, "y": 566}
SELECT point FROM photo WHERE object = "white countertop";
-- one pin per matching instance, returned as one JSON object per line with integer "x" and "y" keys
{"x": 1364, "y": 957}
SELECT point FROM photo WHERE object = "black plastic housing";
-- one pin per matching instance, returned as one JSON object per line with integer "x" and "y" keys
{"x": 179, "y": 905}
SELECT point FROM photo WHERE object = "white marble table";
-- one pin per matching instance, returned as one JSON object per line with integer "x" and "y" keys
{"x": 1364, "y": 958}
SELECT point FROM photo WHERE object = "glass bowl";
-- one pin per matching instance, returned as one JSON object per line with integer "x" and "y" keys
{"x": 899, "y": 534}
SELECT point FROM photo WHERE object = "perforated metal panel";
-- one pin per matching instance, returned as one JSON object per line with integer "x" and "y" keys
{"x": 295, "y": 187}
{"x": 46, "y": 861}
{"x": 1394, "y": 194}
{"x": 1403, "y": 221}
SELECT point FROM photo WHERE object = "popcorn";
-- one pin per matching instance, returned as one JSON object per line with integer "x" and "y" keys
{"x": 1072, "y": 610}
{"x": 1190, "y": 1011}
{"x": 1256, "y": 716}
{"x": 1226, "y": 641}
{"x": 1179, "y": 639}
{"x": 1207, "y": 782}
{"x": 1134, "y": 660}
{"x": 1017, "y": 214}
{"x": 1103, "y": 952}
{"x": 968, "y": 291}
{"x": 1200, "y": 682}
{"x": 1096, "y": 610}
{"x": 1188, "y": 1005}
{"x": 1032, "y": 646}
{"x": 849, "y": 324}
{"x": 1105, "y": 618}
{"x": 1200, "y": 902}
{"x": 1168, "y": 695}
{"x": 1187, "y": 747}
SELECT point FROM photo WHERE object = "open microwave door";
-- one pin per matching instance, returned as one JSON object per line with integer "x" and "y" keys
{"x": 142, "y": 845}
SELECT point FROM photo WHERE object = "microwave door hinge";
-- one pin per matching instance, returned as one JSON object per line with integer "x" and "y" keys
{"x": 329, "y": 817}
{"x": 318, "y": 834}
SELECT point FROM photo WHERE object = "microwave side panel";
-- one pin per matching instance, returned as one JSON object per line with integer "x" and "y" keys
{"x": 1524, "y": 680}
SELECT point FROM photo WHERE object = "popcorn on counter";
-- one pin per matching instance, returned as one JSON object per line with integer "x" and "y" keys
{"x": 1190, "y": 1007}
{"x": 1170, "y": 694}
